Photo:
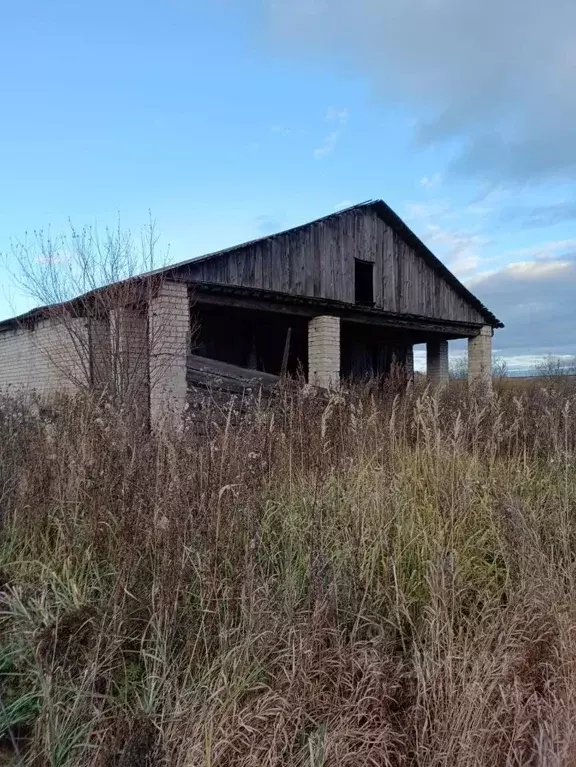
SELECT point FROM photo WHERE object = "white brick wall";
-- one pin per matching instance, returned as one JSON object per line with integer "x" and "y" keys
{"x": 142, "y": 352}
{"x": 100, "y": 345}
{"x": 324, "y": 351}
{"x": 437, "y": 361}
{"x": 169, "y": 339}
{"x": 52, "y": 356}
{"x": 128, "y": 349}
{"x": 480, "y": 357}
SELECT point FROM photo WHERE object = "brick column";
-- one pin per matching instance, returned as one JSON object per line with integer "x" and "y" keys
{"x": 324, "y": 351}
{"x": 480, "y": 357}
{"x": 169, "y": 340}
{"x": 437, "y": 361}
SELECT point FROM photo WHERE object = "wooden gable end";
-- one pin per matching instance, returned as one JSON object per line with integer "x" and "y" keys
{"x": 317, "y": 260}
{"x": 404, "y": 281}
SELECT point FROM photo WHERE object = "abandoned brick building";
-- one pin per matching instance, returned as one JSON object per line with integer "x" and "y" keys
{"x": 346, "y": 295}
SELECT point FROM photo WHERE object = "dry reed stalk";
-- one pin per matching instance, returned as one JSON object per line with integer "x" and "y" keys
{"x": 381, "y": 578}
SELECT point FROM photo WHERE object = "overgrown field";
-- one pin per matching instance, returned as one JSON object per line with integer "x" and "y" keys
{"x": 373, "y": 579}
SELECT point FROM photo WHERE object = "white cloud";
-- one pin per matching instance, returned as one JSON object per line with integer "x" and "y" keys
{"x": 544, "y": 250}
{"x": 430, "y": 182}
{"x": 476, "y": 209}
{"x": 337, "y": 115}
{"x": 340, "y": 118}
{"x": 328, "y": 145}
{"x": 437, "y": 223}
{"x": 281, "y": 130}
{"x": 535, "y": 300}
{"x": 498, "y": 77}
{"x": 460, "y": 250}
{"x": 427, "y": 210}
{"x": 343, "y": 204}
{"x": 534, "y": 271}
{"x": 526, "y": 271}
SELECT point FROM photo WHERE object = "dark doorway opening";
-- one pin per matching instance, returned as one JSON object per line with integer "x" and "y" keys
{"x": 266, "y": 341}
{"x": 371, "y": 351}
{"x": 363, "y": 282}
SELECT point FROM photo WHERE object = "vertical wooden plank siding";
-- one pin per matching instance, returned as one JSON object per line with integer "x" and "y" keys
{"x": 318, "y": 261}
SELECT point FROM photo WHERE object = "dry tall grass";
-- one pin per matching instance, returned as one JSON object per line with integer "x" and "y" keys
{"x": 376, "y": 579}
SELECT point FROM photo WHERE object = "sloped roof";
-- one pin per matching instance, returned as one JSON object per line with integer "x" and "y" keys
{"x": 394, "y": 221}
{"x": 379, "y": 207}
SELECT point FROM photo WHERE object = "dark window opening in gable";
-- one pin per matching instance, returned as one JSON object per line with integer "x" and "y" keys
{"x": 363, "y": 282}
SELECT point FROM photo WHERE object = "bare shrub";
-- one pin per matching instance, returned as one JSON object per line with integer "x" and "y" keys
{"x": 555, "y": 367}
{"x": 93, "y": 324}
{"x": 459, "y": 368}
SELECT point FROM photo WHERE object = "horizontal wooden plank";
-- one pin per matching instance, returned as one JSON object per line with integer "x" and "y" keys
{"x": 211, "y": 373}
{"x": 350, "y": 314}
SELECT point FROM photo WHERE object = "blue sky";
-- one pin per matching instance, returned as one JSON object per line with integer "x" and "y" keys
{"x": 230, "y": 120}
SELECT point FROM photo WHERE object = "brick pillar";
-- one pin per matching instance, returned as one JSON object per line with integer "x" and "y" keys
{"x": 128, "y": 345}
{"x": 437, "y": 361}
{"x": 169, "y": 340}
{"x": 324, "y": 351}
{"x": 480, "y": 357}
